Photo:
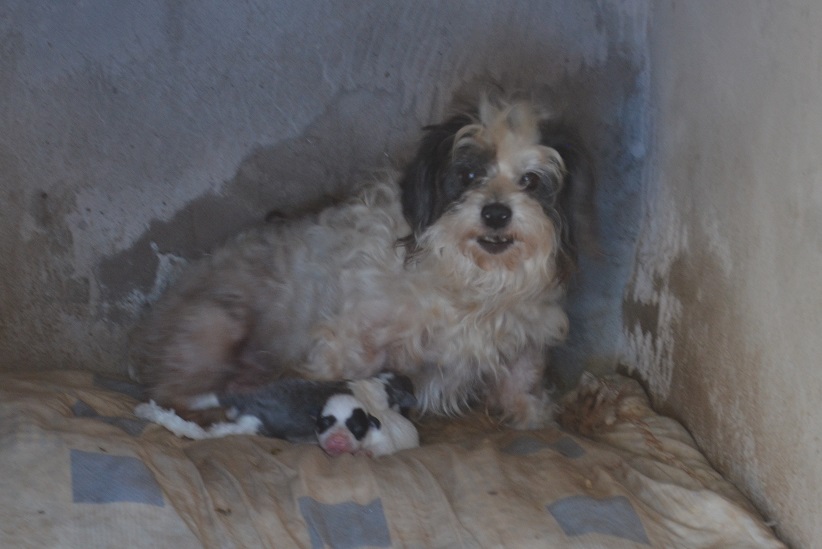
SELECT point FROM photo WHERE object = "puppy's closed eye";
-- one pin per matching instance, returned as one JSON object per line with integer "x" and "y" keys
{"x": 324, "y": 423}
{"x": 358, "y": 423}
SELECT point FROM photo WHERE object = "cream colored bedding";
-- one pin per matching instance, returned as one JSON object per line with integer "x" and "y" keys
{"x": 80, "y": 470}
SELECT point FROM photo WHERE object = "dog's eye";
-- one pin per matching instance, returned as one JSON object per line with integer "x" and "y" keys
{"x": 529, "y": 181}
{"x": 467, "y": 176}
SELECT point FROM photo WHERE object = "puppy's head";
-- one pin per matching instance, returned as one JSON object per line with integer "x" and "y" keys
{"x": 343, "y": 425}
{"x": 490, "y": 186}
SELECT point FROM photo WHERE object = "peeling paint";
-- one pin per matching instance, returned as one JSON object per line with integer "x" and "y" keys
{"x": 169, "y": 265}
{"x": 650, "y": 345}
{"x": 718, "y": 244}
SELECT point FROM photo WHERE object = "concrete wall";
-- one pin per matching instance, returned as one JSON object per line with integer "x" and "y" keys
{"x": 723, "y": 313}
{"x": 137, "y": 135}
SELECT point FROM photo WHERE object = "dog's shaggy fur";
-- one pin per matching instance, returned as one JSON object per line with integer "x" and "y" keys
{"x": 452, "y": 273}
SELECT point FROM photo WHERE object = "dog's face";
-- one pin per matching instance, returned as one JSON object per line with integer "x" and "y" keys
{"x": 488, "y": 187}
{"x": 343, "y": 425}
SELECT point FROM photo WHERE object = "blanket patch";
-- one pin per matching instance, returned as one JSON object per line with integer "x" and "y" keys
{"x": 133, "y": 427}
{"x": 104, "y": 478}
{"x": 579, "y": 515}
{"x": 133, "y": 390}
{"x": 525, "y": 445}
{"x": 346, "y": 525}
{"x": 568, "y": 447}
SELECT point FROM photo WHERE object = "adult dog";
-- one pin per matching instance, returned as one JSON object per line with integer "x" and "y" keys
{"x": 451, "y": 273}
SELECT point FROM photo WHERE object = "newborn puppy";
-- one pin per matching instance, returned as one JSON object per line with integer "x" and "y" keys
{"x": 286, "y": 409}
{"x": 354, "y": 412}
{"x": 343, "y": 425}
{"x": 369, "y": 421}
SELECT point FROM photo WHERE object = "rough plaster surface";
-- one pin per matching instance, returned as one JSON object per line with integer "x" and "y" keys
{"x": 723, "y": 311}
{"x": 138, "y": 135}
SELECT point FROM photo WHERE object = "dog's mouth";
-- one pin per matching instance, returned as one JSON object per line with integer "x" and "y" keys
{"x": 495, "y": 244}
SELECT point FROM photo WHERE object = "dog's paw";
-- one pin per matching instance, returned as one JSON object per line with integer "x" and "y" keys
{"x": 599, "y": 403}
{"x": 532, "y": 412}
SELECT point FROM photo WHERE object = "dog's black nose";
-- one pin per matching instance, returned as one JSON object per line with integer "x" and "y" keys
{"x": 496, "y": 215}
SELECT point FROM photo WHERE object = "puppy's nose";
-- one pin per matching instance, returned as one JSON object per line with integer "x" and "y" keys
{"x": 496, "y": 215}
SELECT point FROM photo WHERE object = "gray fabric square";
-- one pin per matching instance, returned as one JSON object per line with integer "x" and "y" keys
{"x": 132, "y": 426}
{"x": 133, "y": 390}
{"x": 345, "y": 525}
{"x": 524, "y": 445}
{"x": 103, "y": 478}
{"x": 81, "y": 409}
{"x": 578, "y": 515}
{"x": 568, "y": 447}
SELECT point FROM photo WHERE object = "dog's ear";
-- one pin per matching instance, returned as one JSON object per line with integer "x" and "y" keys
{"x": 400, "y": 392}
{"x": 422, "y": 200}
{"x": 578, "y": 223}
{"x": 403, "y": 401}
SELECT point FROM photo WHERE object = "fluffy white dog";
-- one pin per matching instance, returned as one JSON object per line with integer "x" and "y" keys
{"x": 451, "y": 273}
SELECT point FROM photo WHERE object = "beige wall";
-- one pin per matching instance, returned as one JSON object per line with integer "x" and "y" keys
{"x": 724, "y": 312}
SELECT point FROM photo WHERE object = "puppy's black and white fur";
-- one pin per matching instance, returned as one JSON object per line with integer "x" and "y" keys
{"x": 342, "y": 416}
{"x": 291, "y": 409}
{"x": 452, "y": 273}
{"x": 370, "y": 420}
{"x": 343, "y": 425}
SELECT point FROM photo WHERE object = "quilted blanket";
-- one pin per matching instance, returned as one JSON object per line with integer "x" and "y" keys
{"x": 80, "y": 470}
